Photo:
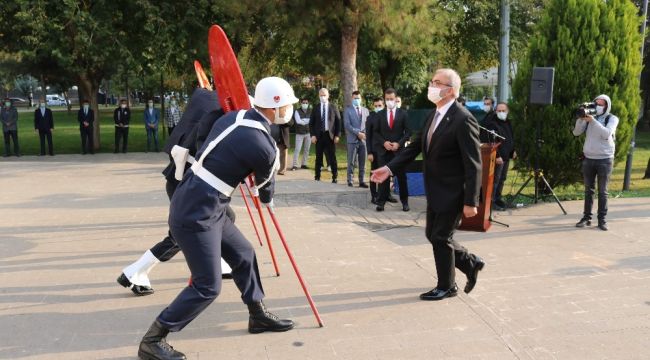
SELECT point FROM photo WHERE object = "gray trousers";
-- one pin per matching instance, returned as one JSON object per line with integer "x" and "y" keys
{"x": 357, "y": 154}
{"x": 593, "y": 169}
{"x": 303, "y": 142}
{"x": 500, "y": 176}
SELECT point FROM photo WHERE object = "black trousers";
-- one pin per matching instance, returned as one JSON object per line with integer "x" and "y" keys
{"x": 13, "y": 135}
{"x": 47, "y": 134}
{"x": 384, "y": 188}
{"x": 593, "y": 169}
{"x": 121, "y": 133}
{"x": 500, "y": 177}
{"x": 203, "y": 252}
{"x": 325, "y": 145}
{"x": 87, "y": 144}
{"x": 374, "y": 164}
{"x": 170, "y": 129}
{"x": 167, "y": 248}
{"x": 447, "y": 252}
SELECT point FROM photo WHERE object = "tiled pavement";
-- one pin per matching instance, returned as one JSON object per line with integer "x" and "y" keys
{"x": 549, "y": 291}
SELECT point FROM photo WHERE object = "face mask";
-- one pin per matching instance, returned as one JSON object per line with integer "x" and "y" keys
{"x": 487, "y": 108}
{"x": 378, "y": 109}
{"x": 502, "y": 115}
{"x": 173, "y": 102}
{"x": 150, "y": 104}
{"x": 304, "y": 107}
{"x": 399, "y": 105}
{"x": 287, "y": 116}
{"x": 390, "y": 104}
{"x": 600, "y": 110}
{"x": 123, "y": 106}
{"x": 86, "y": 107}
{"x": 323, "y": 99}
{"x": 42, "y": 106}
{"x": 356, "y": 102}
{"x": 7, "y": 104}
{"x": 434, "y": 94}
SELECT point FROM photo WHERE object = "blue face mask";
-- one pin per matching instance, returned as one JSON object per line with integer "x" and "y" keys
{"x": 356, "y": 102}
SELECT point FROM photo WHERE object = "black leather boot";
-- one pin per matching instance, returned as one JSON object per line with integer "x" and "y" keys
{"x": 154, "y": 346}
{"x": 262, "y": 320}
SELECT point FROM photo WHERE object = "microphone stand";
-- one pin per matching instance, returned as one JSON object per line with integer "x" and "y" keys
{"x": 493, "y": 138}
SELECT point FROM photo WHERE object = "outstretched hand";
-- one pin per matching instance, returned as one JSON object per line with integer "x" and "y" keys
{"x": 380, "y": 175}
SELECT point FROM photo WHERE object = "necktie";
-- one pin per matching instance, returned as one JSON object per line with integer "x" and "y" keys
{"x": 432, "y": 128}
{"x": 324, "y": 118}
{"x": 391, "y": 120}
{"x": 359, "y": 113}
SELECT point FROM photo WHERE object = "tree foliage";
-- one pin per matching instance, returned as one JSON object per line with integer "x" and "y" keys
{"x": 594, "y": 47}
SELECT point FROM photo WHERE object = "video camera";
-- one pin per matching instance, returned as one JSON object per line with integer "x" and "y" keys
{"x": 585, "y": 109}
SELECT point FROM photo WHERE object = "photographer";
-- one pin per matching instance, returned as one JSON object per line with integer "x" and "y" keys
{"x": 598, "y": 152}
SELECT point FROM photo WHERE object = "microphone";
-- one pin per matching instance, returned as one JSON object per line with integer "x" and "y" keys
{"x": 492, "y": 132}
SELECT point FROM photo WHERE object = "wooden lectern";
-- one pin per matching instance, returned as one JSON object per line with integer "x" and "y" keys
{"x": 481, "y": 222}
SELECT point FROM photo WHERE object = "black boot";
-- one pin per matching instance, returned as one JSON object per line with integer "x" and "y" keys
{"x": 154, "y": 346}
{"x": 139, "y": 290}
{"x": 262, "y": 320}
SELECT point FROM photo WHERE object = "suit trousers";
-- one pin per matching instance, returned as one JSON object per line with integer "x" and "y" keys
{"x": 13, "y": 135}
{"x": 42, "y": 135}
{"x": 121, "y": 133}
{"x": 374, "y": 164}
{"x": 303, "y": 143}
{"x": 447, "y": 252}
{"x": 203, "y": 251}
{"x": 384, "y": 188}
{"x": 152, "y": 134}
{"x": 284, "y": 153}
{"x": 87, "y": 145}
{"x": 500, "y": 176}
{"x": 325, "y": 145}
{"x": 357, "y": 153}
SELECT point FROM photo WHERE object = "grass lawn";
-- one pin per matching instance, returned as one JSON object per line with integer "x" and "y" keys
{"x": 67, "y": 141}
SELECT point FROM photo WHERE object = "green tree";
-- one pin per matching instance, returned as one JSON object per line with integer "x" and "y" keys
{"x": 594, "y": 47}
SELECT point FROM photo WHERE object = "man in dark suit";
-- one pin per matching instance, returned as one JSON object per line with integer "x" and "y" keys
{"x": 122, "y": 117}
{"x": 325, "y": 130}
{"x": 371, "y": 123}
{"x": 86, "y": 119}
{"x": 450, "y": 147}
{"x": 389, "y": 138}
{"x": 44, "y": 125}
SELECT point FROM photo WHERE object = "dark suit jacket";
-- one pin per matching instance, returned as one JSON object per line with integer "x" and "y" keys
{"x": 280, "y": 133}
{"x": 452, "y": 164}
{"x": 89, "y": 118}
{"x": 371, "y": 124}
{"x": 334, "y": 121}
{"x": 43, "y": 123}
{"x": 122, "y": 116}
{"x": 382, "y": 132}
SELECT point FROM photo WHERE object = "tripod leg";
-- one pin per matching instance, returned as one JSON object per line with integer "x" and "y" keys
{"x": 295, "y": 266}
{"x": 519, "y": 191}
{"x": 250, "y": 213}
{"x": 553, "y": 193}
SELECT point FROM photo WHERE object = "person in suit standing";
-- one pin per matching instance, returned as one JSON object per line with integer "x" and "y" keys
{"x": 86, "y": 119}
{"x": 325, "y": 130}
{"x": 371, "y": 123}
{"x": 151, "y": 121}
{"x": 121, "y": 117}
{"x": 390, "y": 136}
{"x": 354, "y": 120}
{"x": 44, "y": 125}
{"x": 450, "y": 148}
{"x": 9, "y": 118}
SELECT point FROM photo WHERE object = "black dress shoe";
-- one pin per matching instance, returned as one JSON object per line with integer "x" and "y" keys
{"x": 373, "y": 200}
{"x": 380, "y": 207}
{"x": 304, "y": 167}
{"x": 405, "y": 207}
{"x": 350, "y": 184}
{"x": 317, "y": 179}
{"x": 363, "y": 185}
{"x": 584, "y": 222}
{"x": 262, "y": 320}
{"x": 139, "y": 290}
{"x": 602, "y": 225}
{"x": 392, "y": 200}
{"x": 439, "y": 294}
{"x": 500, "y": 203}
{"x": 473, "y": 275}
{"x": 154, "y": 346}
{"x": 334, "y": 181}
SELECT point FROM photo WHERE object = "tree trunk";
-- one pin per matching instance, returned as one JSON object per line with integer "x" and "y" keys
{"x": 647, "y": 171}
{"x": 349, "y": 39}
{"x": 90, "y": 88}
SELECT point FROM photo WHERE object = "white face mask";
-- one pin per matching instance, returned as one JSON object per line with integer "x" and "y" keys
{"x": 41, "y": 105}
{"x": 390, "y": 104}
{"x": 487, "y": 108}
{"x": 323, "y": 99}
{"x": 86, "y": 107}
{"x": 150, "y": 105}
{"x": 123, "y": 106}
{"x": 173, "y": 102}
{"x": 600, "y": 110}
{"x": 434, "y": 94}
{"x": 304, "y": 107}
{"x": 502, "y": 115}
{"x": 287, "y": 116}
{"x": 399, "y": 105}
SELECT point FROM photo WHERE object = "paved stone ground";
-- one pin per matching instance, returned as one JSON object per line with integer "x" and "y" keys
{"x": 549, "y": 291}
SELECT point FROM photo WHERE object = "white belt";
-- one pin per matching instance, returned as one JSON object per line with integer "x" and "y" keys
{"x": 206, "y": 175}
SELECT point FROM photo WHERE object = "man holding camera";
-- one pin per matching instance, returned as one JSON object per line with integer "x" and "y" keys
{"x": 598, "y": 151}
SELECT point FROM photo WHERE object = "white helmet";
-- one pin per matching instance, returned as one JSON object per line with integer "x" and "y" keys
{"x": 273, "y": 92}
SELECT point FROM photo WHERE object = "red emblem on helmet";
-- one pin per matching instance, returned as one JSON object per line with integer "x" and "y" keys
{"x": 276, "y": 99}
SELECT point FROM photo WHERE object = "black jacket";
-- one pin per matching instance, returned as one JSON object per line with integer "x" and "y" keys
{"x": 43, "y": 123}
{"x": 89, "y": 118}
{"x": 122, "y": 116}
{"x": 503, "y": 128}
{"x": 451, "y": 165}
{"x": 371, "y": 124}
{"x": 382, "y": 132}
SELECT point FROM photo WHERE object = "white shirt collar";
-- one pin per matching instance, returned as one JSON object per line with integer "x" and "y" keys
{"x": 443, "y": 109}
